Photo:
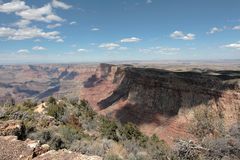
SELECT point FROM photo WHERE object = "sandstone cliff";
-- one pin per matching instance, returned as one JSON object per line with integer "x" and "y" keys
{"x": 161, "y": 101}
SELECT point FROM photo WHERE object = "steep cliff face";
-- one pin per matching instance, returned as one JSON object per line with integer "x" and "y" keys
{"x": 161, "y": 101}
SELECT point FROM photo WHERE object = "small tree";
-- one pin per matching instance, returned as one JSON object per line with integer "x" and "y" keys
{"x": 52, "y": 100}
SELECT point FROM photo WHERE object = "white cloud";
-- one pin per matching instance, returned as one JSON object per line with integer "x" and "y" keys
{"x": 233, "y": 45}
{"x": 27, "y": 33}
{"x": 182, "y": 36}
{"x": 130, "y": 40}
{"x": 109, "y": 46}
{"x": 39, "y": 48}
{"x": 236, "y": 27}
{"x": 51, "y": 26}
{"x": 149, "y": 1}
{"x": 22, "y": 23}
{"x": 13, "y": 6}
{"x": 59, "y": 4}
{"x": 60, "y": 40}
{"x": 44, "y": 14}
{"x": 160, "y": 50}
{"x": 72, "y": 23}
{"x": 95, "y": 29}
{"x": 82, "y": 50}
{"x": 23, "y": 51}
{"x": 214, "y": 30}
{"x": 19, "y": 7}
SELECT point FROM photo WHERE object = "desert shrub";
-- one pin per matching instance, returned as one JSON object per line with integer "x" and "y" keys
{"x": 29, "y": 104}
{"x": 55, "y": 111}
{"x": 222, "y": 147}
{"x": 51, "y": 100}
{"x": 157, "y": 149}
{"x": 188, "y": 150}
{"x": 112, "y": 157}
{"x": 132, "y": 146}
{"x": 56, "y": 142}
{"x": 108, "y": 129}
{"x": 130, "y": 131}
{"x": 74, "y": 101}
{"x": 206, "y": 122}
{"x": 89, "y": 147}
{"x": 86, "y": 110}
{"x": 69, "y": 133}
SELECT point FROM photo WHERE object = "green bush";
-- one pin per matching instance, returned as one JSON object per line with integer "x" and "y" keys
{"x": 130, "y": 131}
{"x": 51, "y": 100}
{"x": 70, "y": 133}
{"x": 55, "y": 111}
{"x": 86, "y": 110}
{"x": 29, "y": 104}
{"x": 108, "y": 129}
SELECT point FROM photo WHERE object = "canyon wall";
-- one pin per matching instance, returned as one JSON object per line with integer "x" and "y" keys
{"x": 161, "y": 101}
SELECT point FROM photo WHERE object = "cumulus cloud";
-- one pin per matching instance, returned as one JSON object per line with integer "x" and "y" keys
{"x": 82, "y": 50}
{"x": 182, "y": 36}
{"x": 21, "y": 29}
{"x": 214, "y": 30}
{"x": 233, "y": 45}
{"x": 27, "y": 33}
{"x": 236, "y": 27}
{"x": 51, "y": 26}
{"x": 22, "y": 23}
{"x": 160, "y": 50}
{"x": 44, "y": 14}
{"x": 109, "y": 46}
{"x": 39, "y": 48}
{"x": 131, "y": 40}
{"x": 23, "y": 51}
{"x": 95, "y": 29}
{"x": 59, "y": 4}
{"x": 13, "y": 6}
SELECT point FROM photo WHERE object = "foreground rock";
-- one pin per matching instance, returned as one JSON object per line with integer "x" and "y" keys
{"x": 13, "y": 149}
{"x": 12, "y": 128}
{"x": 65, "y": 155}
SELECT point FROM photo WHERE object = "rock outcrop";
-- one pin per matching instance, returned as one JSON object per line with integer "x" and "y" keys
{"x": 161, "y": 101}
{"x": 13, "y": 149}
{"x": 12, "y": 128}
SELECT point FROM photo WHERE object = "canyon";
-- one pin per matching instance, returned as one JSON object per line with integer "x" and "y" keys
{"x": 159, "y": 98}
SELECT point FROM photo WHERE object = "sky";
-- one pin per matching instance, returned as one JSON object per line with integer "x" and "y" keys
{"x": 74, "y": 31}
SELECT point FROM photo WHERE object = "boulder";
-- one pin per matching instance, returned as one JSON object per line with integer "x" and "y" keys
{"x": 12, "y": 128}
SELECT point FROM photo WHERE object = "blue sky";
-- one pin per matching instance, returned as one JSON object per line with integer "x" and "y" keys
{"x": 66, "y": 31}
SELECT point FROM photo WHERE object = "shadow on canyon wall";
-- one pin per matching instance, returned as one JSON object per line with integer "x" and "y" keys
{"x": 153, "y": 91}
